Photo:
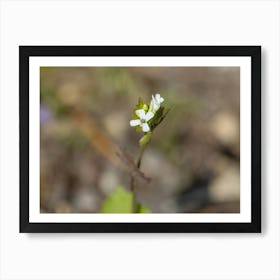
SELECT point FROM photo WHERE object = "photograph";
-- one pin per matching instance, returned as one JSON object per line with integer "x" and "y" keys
{"x": 139, "y": 140}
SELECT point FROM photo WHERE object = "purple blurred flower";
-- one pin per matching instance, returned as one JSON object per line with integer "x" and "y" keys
{"x": 45, "y": 114}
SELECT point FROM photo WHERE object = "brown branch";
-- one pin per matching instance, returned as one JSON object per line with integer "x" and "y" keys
{"x": 103, "y": 144}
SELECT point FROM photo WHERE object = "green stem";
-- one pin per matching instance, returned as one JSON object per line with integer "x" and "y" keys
{"x": 143, "y": 148}
{"x": 132, "y": 180}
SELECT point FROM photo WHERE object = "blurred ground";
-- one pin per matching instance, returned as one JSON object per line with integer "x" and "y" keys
{"x": 193, "y": 159}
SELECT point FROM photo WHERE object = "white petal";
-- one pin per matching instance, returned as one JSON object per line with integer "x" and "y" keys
{"x": 140, "y": 113}
{"x": 145, "y": 127}
{"x": 149, "y": 115}
{"x": 159, "y": 99}
{"x": 152, "y": 105}
{"x": 156, "y": 107}
{"x": 134, "y": 122}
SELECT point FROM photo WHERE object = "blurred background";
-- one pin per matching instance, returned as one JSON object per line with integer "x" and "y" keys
{"x": 192, "y": 160}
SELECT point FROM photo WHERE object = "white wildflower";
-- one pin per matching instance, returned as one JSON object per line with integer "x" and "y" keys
{"x": 143, "y": 119}
{"x": 155, "y": 103}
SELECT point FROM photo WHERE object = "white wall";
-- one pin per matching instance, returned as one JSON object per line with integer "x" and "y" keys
{"x": 124, "y": 256}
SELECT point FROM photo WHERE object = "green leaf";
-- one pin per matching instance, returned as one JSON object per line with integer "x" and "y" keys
{"x": 159, "y": 117}
{"x": 142, "y": 209}
{"x": 120, "y": 201}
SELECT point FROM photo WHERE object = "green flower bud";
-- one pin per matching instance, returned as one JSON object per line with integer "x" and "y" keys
{"x": 145, "y": 139}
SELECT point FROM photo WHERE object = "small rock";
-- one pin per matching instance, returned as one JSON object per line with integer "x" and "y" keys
{"x": 226, "y": 187}
{"x": 225, "y": 127}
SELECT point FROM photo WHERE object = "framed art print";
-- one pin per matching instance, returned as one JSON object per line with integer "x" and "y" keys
{"x": 140, "y": 138}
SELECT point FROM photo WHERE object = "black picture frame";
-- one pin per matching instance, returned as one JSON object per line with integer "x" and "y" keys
{"x": 254, "y": 52}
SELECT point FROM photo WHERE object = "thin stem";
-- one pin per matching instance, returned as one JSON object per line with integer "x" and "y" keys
{"x": 132, "y": 180}
{"x": 143, "y": 148}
